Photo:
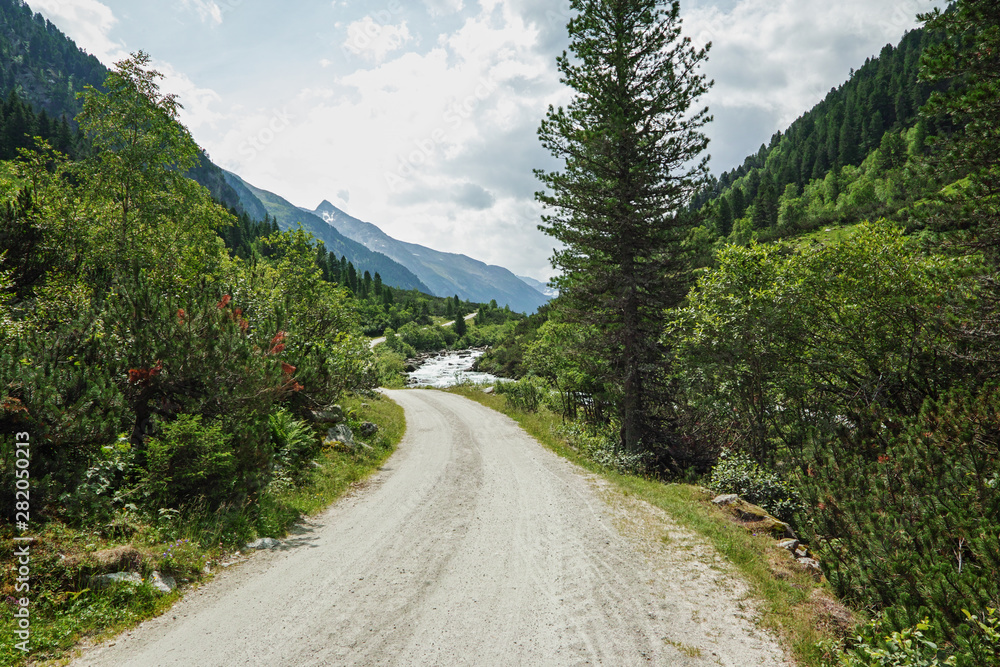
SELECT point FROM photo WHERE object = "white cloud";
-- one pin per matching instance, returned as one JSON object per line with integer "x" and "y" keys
{"x": 207, "y": 10}
{"x": 401, "y": 133}
{"x": 373, "y": 40}
{"x": 443, "y": 7}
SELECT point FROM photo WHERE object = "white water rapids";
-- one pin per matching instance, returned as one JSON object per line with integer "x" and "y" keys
{"x": 449, "y": 369}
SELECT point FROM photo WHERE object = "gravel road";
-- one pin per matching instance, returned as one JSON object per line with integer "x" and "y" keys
{"x": 473, "y": 546}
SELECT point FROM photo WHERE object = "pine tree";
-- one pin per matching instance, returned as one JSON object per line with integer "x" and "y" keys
{"x": 971, "y": 107}
{"x": 630, "y": 142}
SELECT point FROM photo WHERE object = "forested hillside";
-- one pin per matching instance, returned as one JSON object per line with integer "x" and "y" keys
{"x": 39, "y": 63}
{"x": 841, "y": 161}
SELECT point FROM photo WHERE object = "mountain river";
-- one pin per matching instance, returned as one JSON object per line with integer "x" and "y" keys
{"x": 449, "y": 369}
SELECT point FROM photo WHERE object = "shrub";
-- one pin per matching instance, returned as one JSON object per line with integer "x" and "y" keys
{"x": 912, "y": 529}
{"x": 526, "y": 394}
{"x": 600, "y": 445}
{"x": 877, "y": 645}
{"x": 905, "y": 648}
{"x": 294, "y": 446}
{"x": 738, "y": 473}
{"x": 189, "y": 460}
{"x": 102, "y": 489}
{"x": 390, "y": 367}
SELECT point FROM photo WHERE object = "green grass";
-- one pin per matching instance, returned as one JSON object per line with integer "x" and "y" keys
{"x": 802, "y": 611}
{"x": 64, "y": 611}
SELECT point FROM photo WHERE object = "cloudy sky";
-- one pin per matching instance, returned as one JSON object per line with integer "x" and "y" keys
{"x": 420, "y": 116}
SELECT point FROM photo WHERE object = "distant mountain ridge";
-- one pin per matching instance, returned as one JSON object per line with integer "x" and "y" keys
{"x": 540, "y": 286}
{"x": 288, "y": 216}
{"x": 445, "y": 273}
{"x": 46, "y": 69}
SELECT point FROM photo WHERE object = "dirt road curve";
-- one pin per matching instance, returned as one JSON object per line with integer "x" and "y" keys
{"x": 474, "y": 546}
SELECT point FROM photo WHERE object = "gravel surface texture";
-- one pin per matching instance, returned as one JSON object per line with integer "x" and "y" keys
{"x": 474, "y": 545}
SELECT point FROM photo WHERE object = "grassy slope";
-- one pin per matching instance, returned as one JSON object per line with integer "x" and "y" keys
{"x": 802, "y": 611}
{"x": 64, "y": 612}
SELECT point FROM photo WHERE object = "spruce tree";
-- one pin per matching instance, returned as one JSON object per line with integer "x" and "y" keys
{"x": 631, "y": 144}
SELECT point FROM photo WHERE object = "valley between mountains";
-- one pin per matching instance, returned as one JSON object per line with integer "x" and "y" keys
{"x": 473, "y": 545}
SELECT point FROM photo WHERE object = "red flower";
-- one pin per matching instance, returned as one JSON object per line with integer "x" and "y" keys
{"x": 287, "y": 369}
{"x": 884, "y": 458}
{"x": 225, "y": 301}
{"x": 181, "y": 315}
{"x": 277, "y": 343}
{"x": 142, "y": 376}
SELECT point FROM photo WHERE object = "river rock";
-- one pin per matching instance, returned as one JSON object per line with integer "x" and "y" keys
{"x": 99, "y": 581}
{"x": 163, "y": 584}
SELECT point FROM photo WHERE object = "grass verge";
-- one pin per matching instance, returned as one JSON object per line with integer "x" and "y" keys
{"x": 65, "y": 610}
{"x": 802, "y": 611}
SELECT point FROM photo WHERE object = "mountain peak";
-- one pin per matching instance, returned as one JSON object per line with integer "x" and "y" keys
{"x": 327, "y": 207}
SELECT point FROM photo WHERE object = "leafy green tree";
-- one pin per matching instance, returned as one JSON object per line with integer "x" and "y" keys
{"x": 892, "y": 152}
{"x": 630, "y": 142}
{"x": 148, "y": 212}
{"x": 831, "y": 346}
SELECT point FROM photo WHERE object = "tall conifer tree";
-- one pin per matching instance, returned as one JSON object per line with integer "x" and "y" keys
{"x": 631, "y": 144}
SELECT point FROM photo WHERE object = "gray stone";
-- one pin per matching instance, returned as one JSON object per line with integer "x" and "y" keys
{"x": 789, "y": 543}
{"x": 367, "y": 429}
{"x": 727, "y": 499}
{"x": 332, "y": 415}
{"x": 802, "y": 551}
{"x": 342, "y": 434}
{"x": 99, "y": 581}
{"x": 263, "y": 543}
{"x": 812, "y": 565}
{"x": 488, "y": 390}
{"x": 164, "y": 584}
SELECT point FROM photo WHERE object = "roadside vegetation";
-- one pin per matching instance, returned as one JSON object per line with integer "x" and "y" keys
{"x": 169, "y": 391}
{"x": 187, "y": 542}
